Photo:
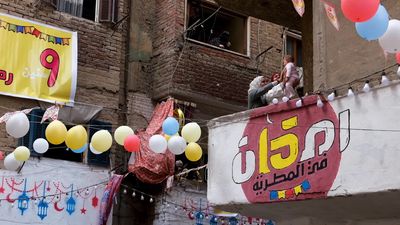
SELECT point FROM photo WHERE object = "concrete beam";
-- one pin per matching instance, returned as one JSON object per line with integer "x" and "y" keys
{"x": 279, "y": 12}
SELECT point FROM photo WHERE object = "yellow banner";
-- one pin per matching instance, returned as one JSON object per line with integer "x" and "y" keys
{"x": 37, "y": 61}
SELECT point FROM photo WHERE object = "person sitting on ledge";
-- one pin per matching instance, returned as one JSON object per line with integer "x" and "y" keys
{"x": 258, "y": 87}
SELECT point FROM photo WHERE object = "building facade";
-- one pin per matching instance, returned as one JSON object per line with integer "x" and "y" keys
{"x": 64, "y": 187}
{"x": 305, "y": 161}
{"x": 130, "y": 56}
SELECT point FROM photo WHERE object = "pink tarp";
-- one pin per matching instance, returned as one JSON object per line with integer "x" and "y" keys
{"x": 150, "y": 167}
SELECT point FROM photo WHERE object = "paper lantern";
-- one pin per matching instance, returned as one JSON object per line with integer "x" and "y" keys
{"x": 76, "y": 137}
{"x": 22, "y": 153}
{"x": 191, "y": 132}
{"x": 56, "y": 132}
{"x": 40, "y": 145}
{"x": 158, "y": 144}
{"x": 18, "y": 125}
{"x": 121, "y": 133}
{"x": 193, "y": 152}
{"x": 102, "y": 140}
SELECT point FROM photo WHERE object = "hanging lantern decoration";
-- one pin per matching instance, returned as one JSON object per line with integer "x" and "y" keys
{"x": 43, "y": 205}
{"x": 71, "y": 202}
{"x": 199, "y": 218}
{"x": 214, "y": 220}
{"x": 23, "y": 201}
{"x": 233, "y": 221}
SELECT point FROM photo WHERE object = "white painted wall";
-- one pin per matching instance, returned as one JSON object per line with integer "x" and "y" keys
{"x": 369, "y": 165}
{"x": 54, "y": 171}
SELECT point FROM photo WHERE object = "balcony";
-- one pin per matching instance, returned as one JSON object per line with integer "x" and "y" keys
{"x": 278, "y": 12}
{"x": 338, "y": 162}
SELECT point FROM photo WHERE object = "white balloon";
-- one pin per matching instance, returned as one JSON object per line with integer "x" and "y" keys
{"x": 177, "y": 145}
{"x": 390, "y": 41}
{"x": 40, "y": 145}
{"x": 10, "y": 163}
{"x": 94, "y": 151}
{"x": 158, "y": 144}
{"x": 398, "y": 72}
{"x": 18, "y": 125}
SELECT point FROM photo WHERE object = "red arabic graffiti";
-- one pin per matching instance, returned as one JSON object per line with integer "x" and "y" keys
{"x": 290, "y": 153}
{"x": 7, "y": 77}
{"x": 50, "y": 59}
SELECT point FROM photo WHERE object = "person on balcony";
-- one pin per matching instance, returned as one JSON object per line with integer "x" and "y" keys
{"x": 222, "y": 40}
{"x": 289, "y": 77}
{"x": 256, "y": 93}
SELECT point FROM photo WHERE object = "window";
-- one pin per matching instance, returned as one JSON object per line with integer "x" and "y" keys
{"x": 37, "y": 130}
{"x": 293, "y": 47}
{"x": 96, "y": 10}
{"x": 224, "y": 29}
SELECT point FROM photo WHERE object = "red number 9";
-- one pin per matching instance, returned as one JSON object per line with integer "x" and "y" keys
{"x": 53, "y": 65}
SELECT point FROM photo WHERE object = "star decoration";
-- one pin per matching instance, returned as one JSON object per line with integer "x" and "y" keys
{"x": 2, "y": 190}
{"x": 83, "y": 211}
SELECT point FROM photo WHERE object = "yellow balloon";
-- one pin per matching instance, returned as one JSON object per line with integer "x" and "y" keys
{"x": 121, "y": 133}
{"x": 167, "y": 137}
{"x": 56, "y": 132}
{"x": 191, "y": 132}
{"x": 22, "y": 153}
{"x": 102, "y": 140}
{"x": 76, "y": 137}
{"x": 193, "y": 152}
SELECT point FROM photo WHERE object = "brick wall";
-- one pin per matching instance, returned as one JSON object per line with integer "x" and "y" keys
{"x": 101, "y": 60}
{"x": 203, "y": 69}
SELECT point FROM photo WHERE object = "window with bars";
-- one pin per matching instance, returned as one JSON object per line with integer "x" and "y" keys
{"x": 37, "y": 130}
{"x": 96, "y": 10}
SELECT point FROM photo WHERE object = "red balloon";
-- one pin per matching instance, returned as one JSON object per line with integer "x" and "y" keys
{"x": 398, "y": 57}
{"x": 359, "y": 10}
{"x": 132, "y": 143}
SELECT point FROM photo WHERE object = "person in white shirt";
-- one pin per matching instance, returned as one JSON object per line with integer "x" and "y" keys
{"x": 289, "y": 76}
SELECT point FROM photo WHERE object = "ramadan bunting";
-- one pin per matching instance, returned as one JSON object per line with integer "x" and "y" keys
{"x": 33, "y": 31}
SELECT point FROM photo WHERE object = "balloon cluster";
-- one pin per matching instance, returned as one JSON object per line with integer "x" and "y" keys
{"x": 17, "y": 126}
{"x": 372, "y": 22}
{"x": 175, "y": 143}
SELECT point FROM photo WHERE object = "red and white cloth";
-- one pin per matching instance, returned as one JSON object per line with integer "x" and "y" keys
{"x": 299, "y": 6}
{"x": 150, "y": 167}
{"x": 8, "y": 115}
{"x": 51, "y": 113}
{"x": 331, "y": 13}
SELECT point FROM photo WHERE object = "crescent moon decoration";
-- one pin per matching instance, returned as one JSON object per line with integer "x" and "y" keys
{"x": 269, "y": 120}
{"x": 9, "y": 200}
{"x": 57, "y": 208}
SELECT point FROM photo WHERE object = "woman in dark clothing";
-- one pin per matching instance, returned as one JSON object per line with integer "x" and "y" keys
{"x": 258, "y": 87}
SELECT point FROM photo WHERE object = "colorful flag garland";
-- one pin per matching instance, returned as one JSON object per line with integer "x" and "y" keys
{"x": 299, "y": 6}
{"x": 331, "y": 13}
{"x": 35, "y": 32}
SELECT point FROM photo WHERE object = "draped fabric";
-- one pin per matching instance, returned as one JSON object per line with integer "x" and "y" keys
{"x": 108, "y": 198}
{"x": 150, "y": 167}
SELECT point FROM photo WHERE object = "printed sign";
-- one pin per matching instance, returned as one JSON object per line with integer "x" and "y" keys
{"x": 291, "y": 154}
{"x": 37, "y": 61}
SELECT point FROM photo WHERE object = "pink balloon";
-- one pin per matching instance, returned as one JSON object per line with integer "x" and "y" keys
{"x": 359, "y": 10}
{"x": 398, "y": 57}
{"x": 132, "y": 143}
